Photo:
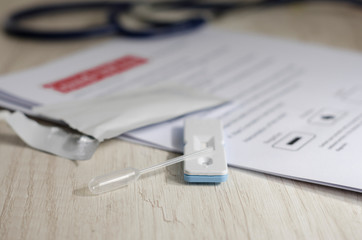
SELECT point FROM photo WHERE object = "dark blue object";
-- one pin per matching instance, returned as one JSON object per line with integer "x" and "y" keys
{"x": 115, "y": 9}
{"x": 112, "y": 25}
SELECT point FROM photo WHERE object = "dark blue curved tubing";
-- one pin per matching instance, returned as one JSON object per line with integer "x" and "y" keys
{"x": 157, "y": 28}
{"x": 13, "y": 27}
{"x": 112, "y": 26}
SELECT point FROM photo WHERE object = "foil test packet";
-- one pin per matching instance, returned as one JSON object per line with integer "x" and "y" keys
{"x": 110, "y": 116}
{"x": 107, "y": 117}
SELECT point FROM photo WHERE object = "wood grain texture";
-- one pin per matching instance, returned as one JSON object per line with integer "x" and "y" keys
{"x": 45, "y": 197}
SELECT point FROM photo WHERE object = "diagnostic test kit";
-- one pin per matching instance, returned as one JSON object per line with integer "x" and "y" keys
{"x": 205, "y": 160}
{"x": 200, "y": 134}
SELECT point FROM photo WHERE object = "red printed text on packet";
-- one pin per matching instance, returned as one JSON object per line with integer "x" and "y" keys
{"x": 95, "y": 74}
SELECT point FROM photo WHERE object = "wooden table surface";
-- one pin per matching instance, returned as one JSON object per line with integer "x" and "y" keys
{"x": 45, "y": 197}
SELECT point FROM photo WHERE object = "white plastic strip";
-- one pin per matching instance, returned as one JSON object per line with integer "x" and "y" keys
{"x": 200, "y": 134}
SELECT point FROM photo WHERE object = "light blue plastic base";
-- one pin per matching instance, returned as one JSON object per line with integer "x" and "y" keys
{"x": 205, "y": 178}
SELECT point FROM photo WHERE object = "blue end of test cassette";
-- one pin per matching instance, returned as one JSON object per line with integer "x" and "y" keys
{"x": 200, "y": 134}
{"x": 205, "y": 178}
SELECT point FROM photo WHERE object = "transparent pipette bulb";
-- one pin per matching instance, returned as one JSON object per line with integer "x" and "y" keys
{"x": 121, "y": 178}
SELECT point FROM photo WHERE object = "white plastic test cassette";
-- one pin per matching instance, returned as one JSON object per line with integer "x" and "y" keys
{"x": 201, "y": 134}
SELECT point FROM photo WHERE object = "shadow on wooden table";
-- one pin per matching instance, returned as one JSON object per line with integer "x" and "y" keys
{"x": 83, "y": 191}
{"x": 11, "y": 139}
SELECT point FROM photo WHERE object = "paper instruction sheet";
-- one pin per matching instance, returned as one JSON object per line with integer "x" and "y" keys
{"x": 296, "y": 111}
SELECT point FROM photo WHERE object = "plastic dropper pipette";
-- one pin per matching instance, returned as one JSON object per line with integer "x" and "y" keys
{"x": 123, "y": 177}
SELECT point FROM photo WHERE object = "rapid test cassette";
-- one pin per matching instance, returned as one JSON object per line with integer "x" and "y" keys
{"x": 200, "y": 134}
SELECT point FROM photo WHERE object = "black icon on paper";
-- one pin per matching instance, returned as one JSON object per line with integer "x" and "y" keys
{"x": 327, "y": 117}
{"x": 294, "y": 141}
